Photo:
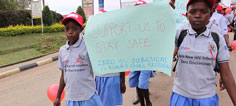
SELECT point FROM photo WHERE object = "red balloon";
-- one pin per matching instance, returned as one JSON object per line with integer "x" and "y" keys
{"x": 234, "y": 45}
{"x": 228, "y": 10}
{"x": 52, "y": 92}
{"x": 229, "y": 29}
{"x": 127, "y": 73}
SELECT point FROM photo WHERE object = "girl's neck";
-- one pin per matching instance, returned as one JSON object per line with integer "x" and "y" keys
{"x": 73, "y": 42}
{"x": 199, "y": 31}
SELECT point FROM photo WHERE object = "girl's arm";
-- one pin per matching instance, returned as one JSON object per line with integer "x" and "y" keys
{"x": 227, "y": 42}
{"x": 231, "y": 27}
{"x": 175, "y": 52}
{"x": 122, "y": 82}
{"x": 228, "y": 81}
{"x": 172, "y": 3}
{"x": 59, "y": 92}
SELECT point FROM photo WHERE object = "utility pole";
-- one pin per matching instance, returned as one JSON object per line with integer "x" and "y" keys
{"x": 120, "y": 4}
{"x": 43, "y": 3}
{"x": 82, "y": 4}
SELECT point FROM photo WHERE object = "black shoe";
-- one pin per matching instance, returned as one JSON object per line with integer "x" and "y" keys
{"x": 136, "y": 101}
{"x": 150, "y": 104}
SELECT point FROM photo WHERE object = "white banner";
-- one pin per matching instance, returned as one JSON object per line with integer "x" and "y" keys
{"x": 111, "y": 5}
{"x": 226, "y": 2}
{"x": 36, "y": 9}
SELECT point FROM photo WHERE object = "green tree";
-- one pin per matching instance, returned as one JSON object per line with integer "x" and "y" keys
{"x": 23, "y": 4}
{"x": 47, "y": 16}
{"x": 14, "y": 4}
{"x": 8, "y": 5}
{"x": 53, "y": 18}
{"x": 81, "y": 12}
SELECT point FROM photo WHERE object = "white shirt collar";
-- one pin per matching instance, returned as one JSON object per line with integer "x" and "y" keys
{"x": 77, "y": 43}
{"x": 205, "y": 33}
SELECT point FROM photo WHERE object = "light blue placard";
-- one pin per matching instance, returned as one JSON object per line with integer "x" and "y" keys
{"x": 134, "y": 38}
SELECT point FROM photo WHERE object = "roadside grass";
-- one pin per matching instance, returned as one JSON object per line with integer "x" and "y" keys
{"x": 22, "y": 55}
{"x": 15, "y": 49}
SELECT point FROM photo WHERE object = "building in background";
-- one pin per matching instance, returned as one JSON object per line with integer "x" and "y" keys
{"x": 88, "y": 7}
{"x": 110, "y": 5}
{"x": 226, "y": 3}
{"x": 233, "y": 2}
{"x": 92, "y": 7}
{"x": 101, "y": 4}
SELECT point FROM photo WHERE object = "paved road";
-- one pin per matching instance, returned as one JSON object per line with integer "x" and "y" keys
{"x": 29, "y": 88}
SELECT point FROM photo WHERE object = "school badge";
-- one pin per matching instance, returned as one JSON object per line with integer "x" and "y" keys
{"x": 212, "y": 47}
{"x": 80, "y": 59}
{"x": 66, "y": 61}
{"x": 213, "y": 21}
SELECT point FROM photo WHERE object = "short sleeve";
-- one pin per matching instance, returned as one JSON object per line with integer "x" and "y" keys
{"x": 176, "y": 39}
{"x": 223, "y": 52}
{"x": 217, "y": 29}
{"x": 60, "y": 61}
{"x": 223, "y": 25}
{"x": 89, "y": 62}
{"x": 185, "y": 26}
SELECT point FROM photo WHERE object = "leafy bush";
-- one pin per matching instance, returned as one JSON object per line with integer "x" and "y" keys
{"x": 57, "y": 17}
{"x": 22, "y": 17}
{"x": 20, "y": 29}
{"x": 15, "y": 17}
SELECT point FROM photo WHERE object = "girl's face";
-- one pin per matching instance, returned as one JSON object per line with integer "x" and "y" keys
{"x": 72, "y": 32}
{"x": 198, "y": 15}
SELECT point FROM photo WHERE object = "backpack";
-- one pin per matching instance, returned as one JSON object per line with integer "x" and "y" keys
{"x": 215, "y": 38}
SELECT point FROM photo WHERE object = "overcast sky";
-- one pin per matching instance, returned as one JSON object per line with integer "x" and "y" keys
{"x": 63, "y": 6}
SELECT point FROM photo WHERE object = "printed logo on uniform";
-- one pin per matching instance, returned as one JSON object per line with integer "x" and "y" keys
{"x": 225, "y": 29}
{"x": 212, "y": 47}
{"x": 80, "y": 59}
{"x": 184, "y": 48}
{"x": 214, "y": 22}
{"x": 66, "y": 61}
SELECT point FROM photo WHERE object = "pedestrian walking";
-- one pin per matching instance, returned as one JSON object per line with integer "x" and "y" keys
{"x": 198, "y": 52}
{"x": 76, "y": 70}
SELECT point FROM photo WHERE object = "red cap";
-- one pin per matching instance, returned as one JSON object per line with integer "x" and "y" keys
{"x": 102, "y": 11}
{"x": 212, "y": 3}
{"x": 219, "y": 7}
{"x": 75, "y": 17}
{"x": 140, "y": 2}
{"x": 233, "y": 7}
